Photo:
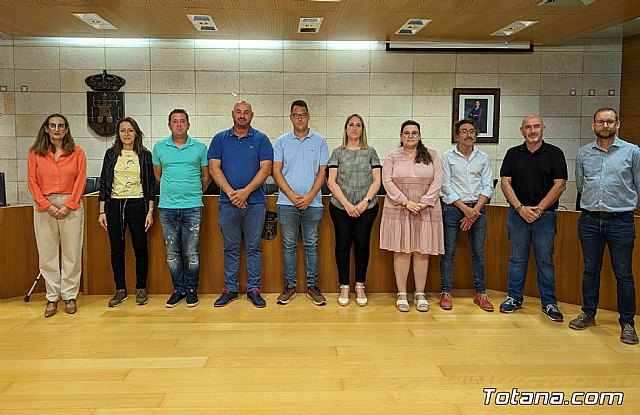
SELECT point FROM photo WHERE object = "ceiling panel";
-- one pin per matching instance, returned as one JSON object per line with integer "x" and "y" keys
{"x": 346, "y": 20}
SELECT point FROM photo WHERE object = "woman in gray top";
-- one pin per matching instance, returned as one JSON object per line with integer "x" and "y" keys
{"x": 354, "y": 180}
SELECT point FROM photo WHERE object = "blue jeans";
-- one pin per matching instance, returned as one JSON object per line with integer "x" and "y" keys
{"x": 291, "y": 219}
{"x": 452, "y": 217}
{"x": 522, "y": 235}
{"x": 236, "y": 223}
{"x": 619, "y": 234}
{"x": 181, "y": 231}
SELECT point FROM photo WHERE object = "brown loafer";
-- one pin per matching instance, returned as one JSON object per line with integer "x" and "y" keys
{"x": 70, "y": 306}
{"x": 48, "y": 312}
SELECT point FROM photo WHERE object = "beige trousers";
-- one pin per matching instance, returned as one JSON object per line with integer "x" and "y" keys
{"x": 55, "y": 237}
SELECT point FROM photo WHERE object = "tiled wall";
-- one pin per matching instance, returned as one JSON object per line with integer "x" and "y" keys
{"x": 336, "y": 79}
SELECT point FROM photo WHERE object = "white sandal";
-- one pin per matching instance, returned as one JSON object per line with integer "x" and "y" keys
{"x": 421, "y": 305}
{"x": 402, "y": 305}
{"x": 343, "y": 301}
{"x": 361, "y": 301}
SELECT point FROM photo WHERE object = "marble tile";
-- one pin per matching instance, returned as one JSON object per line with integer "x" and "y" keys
{"x": 208, "y": 126}
{"x": 603, "y": 62}
{"x": 179, "y": 82}
{"x": 8, "y": 79}
{"x": 519, "y": 84}
{"x": 519, "y": 106}
{"x": 172, "y": 43}
{"x": 561, "y": 62}
{"x": 433, "y": 83}
{"x": 265, "y": 105}
{"x": 477, "y": 63}
{"x": 261, "y": 82}
{"x": 305, "y": 83}
{"x": 564, "y": 128}
{"x": 82, "y": 58}
{"x": 36, "y": 57}
{"x": 297, "y": 60}
{"x": 591, "y": 104}
{"x": 261, "y": 60}
{"x": 215, "y": 104}
{"x": 347, "y": 83}
{"x": 217, "y": 82}
{"x": 345, "y": 105}
{"x": 519, "y": 63}
{"x": 172, "y": 59}
{"x": 391, "y": 62}
{"x": 432, "y": 105}
{"x": 391, "y": 106}
{"x": 472, "y": 80}
{"x": 128, "y": 59}
{"x": 434, "y": 62}
{"x": 6, "y": 57}
{"x": 10, "y": 169}
{"x": 390, "y": 83}
{"x": 94, "y": 148}
{"x": 8, "y": 148}
{"x": 348, "y": 61}
{"x": 559, "y": 84}
{"x": 304, "y": 44}
{"x": 217, "y": 60}
{"x": 8, "y": 124}
{"x": 386, "y": 127}
{"x": 7, "y": 103}
{"x": 601, "y": 83}
{"x": 137, "y": 103}
{"x": 317, "y": 104}
{"x": 271, "y": 126}
{"x": 556, "y": 106}
{"x": 163, "y": 104}
{"x": 38, "y": 80}
{"x": 37, "y": 102}
{"x": 74, "y": 103}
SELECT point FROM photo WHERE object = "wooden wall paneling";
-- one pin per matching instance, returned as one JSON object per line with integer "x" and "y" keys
{"x": 630, "y": 90}
{"x": 18, "y": 252}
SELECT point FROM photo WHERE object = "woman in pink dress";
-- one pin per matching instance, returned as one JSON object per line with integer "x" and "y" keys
{"x": 412, "y": 217}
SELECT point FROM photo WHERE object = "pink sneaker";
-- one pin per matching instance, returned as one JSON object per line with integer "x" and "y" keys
{"x": 483, "y": 301}
{"x": 446, "y": 301}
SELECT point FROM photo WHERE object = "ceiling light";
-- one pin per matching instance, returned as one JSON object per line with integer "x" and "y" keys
{"x": 514, "y": 27}
{"x": 412, "y": 26}
{"x": 202, "y": 22}
{"x": 309, "y": 24}
{"x": 95, "y": 21}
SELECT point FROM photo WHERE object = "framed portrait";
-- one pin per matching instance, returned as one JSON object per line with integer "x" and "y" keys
{"x": 482, "y": 105}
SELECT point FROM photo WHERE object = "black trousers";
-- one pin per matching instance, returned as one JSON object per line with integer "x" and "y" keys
{"x": 352, "y": 231}
{"x": 131, "y": 213}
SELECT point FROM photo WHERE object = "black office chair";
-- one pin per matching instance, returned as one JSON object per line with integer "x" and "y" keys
{"x": 3, "y": 191}
{"x": 212, "y": 189}
{"x": 270, "y": 186}
{"x": 91, "y": 185}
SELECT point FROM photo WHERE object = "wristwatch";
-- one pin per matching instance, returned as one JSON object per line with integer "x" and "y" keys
{"x": 517, "y": 209}
{"x": 366, "y": 199}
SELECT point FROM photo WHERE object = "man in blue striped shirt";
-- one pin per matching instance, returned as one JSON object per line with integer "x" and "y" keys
{"x": 608, "y": 178}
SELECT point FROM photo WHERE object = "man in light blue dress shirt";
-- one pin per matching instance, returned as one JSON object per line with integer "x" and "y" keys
{"x": 608, "y": 178}
{"x": 467, "y": 185}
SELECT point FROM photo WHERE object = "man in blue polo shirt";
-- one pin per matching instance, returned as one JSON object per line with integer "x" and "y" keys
{"x": 240, "y": 160}
{"x": 300, "y": 158}
{"x": 180, "y": 166}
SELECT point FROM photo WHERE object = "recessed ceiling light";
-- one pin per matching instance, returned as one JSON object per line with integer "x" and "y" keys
{"x": 202, "y": 22}
{"x": 514, "y": 27}
{"x": 95, "y": 21}
{"x": 309, "y": 24}
{"x": 412, "y": 26}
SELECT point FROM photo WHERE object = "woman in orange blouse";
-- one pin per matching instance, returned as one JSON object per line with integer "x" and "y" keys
{"x": 57, "y": 175}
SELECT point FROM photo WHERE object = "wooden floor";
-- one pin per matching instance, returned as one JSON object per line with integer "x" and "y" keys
{"x": 302, "y": 359}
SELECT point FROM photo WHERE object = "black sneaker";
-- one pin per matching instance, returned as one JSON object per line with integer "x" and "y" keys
{"x": 192, "y": 298}
{"x": 118, "y": 298}
{"x": 582, "y": 322}
{"x": 552, "y": 311}
{"x": 628, "y": 334}
{"x": 256, "y": 299}
{"x": 175, "y": 299}
{"x": 509, "y": 305}
{"x": 226, "y": 297}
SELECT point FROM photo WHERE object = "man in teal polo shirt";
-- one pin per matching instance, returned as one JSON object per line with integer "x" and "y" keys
{"x": 300, "y": 159}
{"x": 181, "y": 167}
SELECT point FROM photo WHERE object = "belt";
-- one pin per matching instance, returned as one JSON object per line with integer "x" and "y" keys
{"x": 606, "y": 215}
{"x": 471, "y": 204}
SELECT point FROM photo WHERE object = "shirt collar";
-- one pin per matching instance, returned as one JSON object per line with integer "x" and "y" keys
{"x": 616, "y": 143}
{"x": 189, "y": 142}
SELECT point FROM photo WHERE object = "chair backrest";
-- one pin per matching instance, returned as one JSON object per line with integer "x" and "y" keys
{"x": 91, "y": 185}
{"x": 270, "y": 186}
{"x": 3, "y": 191}
{"x": 212, "y": 189}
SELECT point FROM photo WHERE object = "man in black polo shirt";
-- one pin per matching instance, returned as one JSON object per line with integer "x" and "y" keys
{"x": 533, "y": 176}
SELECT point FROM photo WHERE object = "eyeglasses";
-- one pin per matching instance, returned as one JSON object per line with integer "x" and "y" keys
{"x": 299, "y": 116}
{"x": 608, "y": 122}
{"x": 54, "y": 126}
{"x": 411, "y": 133}
{"x": 470, "y": 132}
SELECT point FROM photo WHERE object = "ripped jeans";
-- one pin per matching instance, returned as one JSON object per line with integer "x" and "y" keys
{"x": 181, "y": 231}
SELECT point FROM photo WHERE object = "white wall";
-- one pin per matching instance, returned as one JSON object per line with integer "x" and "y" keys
{"x": 336, "y": 79}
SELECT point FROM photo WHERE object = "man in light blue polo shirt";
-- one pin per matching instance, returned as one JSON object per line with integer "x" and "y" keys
{"x": 180, "y": 166}
{"x": 467, "y": 185}
{"x": 299, "y": 161}
{"x": 240, "y": 160}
